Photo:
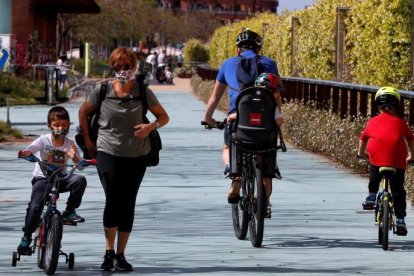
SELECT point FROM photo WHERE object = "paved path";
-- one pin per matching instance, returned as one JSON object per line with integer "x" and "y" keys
{"x": 183, "y": 223}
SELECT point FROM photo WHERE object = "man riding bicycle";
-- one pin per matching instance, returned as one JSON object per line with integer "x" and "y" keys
{"x": 248, "y": 45}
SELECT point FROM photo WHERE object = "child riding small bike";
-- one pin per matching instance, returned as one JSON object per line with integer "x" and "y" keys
{"x": 54, "y": 148}
{"x": 384, "y": 144}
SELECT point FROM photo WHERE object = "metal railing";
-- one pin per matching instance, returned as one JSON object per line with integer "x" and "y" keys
{"x": 349, "y": 100}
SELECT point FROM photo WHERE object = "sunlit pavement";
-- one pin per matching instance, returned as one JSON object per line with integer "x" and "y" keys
{"x": 183, "y": 222}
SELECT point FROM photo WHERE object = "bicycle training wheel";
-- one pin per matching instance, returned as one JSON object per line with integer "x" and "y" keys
{"x": 240, "y": 212}
{"x": 258, "y": 206}
{"x": 385, "y": 222}
{"x": 52, "y": 245}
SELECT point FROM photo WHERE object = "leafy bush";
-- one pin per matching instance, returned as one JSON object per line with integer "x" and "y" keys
{"x": 6, "y": 130}
{"x": 377, "y": 50}
{"x": 19, "y": 90}
{"x": 194, "y": 50}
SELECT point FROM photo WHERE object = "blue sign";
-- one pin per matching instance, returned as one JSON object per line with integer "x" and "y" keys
{"x": 4, "y": 56}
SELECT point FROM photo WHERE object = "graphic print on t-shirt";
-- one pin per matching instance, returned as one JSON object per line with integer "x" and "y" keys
{"x": 56, "y": 157}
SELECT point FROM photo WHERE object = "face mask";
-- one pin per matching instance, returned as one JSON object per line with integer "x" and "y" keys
{"x": 123, "y": 76}
{"x": 60, "y": 133}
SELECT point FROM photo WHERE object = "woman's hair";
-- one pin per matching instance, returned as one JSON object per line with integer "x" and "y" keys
{"x": 57, "y": 113}
{"x": 123, "y": 55}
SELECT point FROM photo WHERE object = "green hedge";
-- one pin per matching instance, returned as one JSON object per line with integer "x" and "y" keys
{"x": 377, "y": 42}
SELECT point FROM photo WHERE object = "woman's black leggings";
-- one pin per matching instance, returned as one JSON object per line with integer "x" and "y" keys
{"x": 120, "y": 178}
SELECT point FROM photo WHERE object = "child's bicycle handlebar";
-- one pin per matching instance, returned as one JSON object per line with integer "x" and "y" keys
{"x": 409, "y": 162}
{"x": 48, "y": 168}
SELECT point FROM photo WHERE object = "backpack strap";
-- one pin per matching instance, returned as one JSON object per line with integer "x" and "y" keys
{"x": 259, "y": 66}
{"x": 102, "y": 94}
{"x": 143, "y": 95}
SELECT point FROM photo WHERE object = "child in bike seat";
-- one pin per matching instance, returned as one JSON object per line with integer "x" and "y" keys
{"x": 383, "y": 143}
{"x": 54, "y": 148}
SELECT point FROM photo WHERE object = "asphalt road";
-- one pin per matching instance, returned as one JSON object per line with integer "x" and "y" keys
{"x": 183, "y": 222}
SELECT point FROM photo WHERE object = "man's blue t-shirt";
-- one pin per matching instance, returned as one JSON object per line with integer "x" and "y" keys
{"x": 227, "y": 74}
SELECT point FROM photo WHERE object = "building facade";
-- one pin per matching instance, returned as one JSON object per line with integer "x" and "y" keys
{"x": 30, "y": 27}
{"x": 224, "y": 9}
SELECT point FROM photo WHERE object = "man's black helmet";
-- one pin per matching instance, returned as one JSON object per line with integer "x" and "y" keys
{"x": 249, "y": 40}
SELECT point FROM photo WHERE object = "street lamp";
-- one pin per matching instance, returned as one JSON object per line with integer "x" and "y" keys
{"x": 295, "y": 21}
{"x": 265, "y": 25}
{"x": 227, "y": 43}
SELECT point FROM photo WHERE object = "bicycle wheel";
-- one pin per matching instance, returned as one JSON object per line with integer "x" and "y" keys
{"x": 385, "y": 223}
{"x": 52, "y": 244}
{"x": 240, "y": 212}
{"x": 258, "y": 206}
{"x": 378, "y": 219}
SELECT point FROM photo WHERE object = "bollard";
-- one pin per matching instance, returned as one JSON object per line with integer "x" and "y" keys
{"x": 51, "y": 96}
{"x": 8, "y": 112}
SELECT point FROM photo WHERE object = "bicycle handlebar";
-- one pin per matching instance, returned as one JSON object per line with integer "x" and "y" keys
{"x": 48, "y": 168}
{"x": 217, "y": 124}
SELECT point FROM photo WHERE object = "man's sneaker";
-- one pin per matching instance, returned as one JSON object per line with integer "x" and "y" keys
{"x": 108, "y": 263}
{"x": 121, "y": 263}
{"x": 401, "y": 227}
{"x": 72, "y": 217}
{"x": 369, "y": 202}
{"x": 234, "y": 192}
{"x": 24, "y": 246}
{"x": 268, "y": 210}
{"x": 277, "y": 173}
{"x": 226, "y": 172}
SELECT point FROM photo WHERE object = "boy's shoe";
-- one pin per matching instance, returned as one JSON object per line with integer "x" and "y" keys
{"x": 24, "y": 246}
{"x": 277, "y": 173}
{"x": 121, "y": 263}
{"x": 268, "y": 210}
{"x": 234, "y": 192}
{"x": 401, "y": 227}
{"x": 369, "y": 202}
{"x": 72, "y": 217}
{"x": 108, "y": 263}
{"x": 226, "y": 172}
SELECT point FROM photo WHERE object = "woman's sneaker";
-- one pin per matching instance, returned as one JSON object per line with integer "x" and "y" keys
{"x": 121, "y": 263}
{"x": 108, "y": 263}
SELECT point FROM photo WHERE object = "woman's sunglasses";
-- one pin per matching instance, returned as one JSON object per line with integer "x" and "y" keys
{"x": 119, "y": 67}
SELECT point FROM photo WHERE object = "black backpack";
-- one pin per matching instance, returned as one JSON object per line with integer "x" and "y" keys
{"x": 255, "y": 126}
{"x": 247, "y": 71}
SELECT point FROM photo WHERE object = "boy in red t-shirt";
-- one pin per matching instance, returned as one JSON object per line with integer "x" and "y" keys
{"x": 384, "y": 143}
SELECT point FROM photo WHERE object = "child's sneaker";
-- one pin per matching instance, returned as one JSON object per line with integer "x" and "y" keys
{"x": 72, "y": 217}
{"x": 369, "y": 202}
{"x": 268, "y": 210}
{"x": 226, "y": 172}
{"x": 278, "y": 175}
{"x": 401, "y": 227}
{"x": 24, "y": 246}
